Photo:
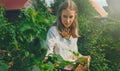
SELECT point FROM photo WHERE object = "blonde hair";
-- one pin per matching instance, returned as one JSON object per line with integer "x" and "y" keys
{"x": 73, "y": 29}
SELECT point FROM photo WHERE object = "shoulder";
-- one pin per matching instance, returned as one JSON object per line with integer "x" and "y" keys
{"x": 53, "y": 32}
{"x": 53, "y": 29}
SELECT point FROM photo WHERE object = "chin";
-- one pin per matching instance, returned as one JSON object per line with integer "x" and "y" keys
{"x": 67, "y": 26}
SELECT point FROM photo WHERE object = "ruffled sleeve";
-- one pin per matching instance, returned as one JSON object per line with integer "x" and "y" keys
{"x": 51, "y": 39}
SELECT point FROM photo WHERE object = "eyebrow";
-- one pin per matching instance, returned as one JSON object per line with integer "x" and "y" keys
{"x": 64, "y": 15}
{"x": 68, "y": 16}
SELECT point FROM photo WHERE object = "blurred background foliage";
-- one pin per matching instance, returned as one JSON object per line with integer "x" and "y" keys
{"x": 23, "y": 48}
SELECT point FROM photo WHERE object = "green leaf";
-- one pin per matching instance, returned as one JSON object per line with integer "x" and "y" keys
{"x": 81, "y": 60}
{"x": 36, "y": 68}
{"x": 3, "y": 67}
{"x": 27, "y": 53}
{"x": 75, "y": 53}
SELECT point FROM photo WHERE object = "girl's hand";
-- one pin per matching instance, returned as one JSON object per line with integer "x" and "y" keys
{"x": 88, "y": 61}
{"x": 86, "y": 66}
{"x": 88, "y": 58}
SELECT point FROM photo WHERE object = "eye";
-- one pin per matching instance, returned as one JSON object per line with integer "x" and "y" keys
{"x": 70, "y": 16}
{"x": 64, "y": 16}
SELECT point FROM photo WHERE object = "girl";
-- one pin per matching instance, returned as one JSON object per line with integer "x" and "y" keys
{"x": 62, "y": 36}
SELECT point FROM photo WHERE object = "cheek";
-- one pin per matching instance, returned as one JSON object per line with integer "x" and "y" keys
{"x": 63, "y": 19}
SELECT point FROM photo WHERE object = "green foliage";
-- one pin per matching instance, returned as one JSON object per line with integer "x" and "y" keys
{"x": 22, "y": 47}
{"x": 112, "y": 40}
{"x": 99, "y": 40}
{"x": 2, "y": 19}
{"x": 3, "y": 66}
{"x": 89, "y": 44}
{"x": 39, "y": 5}
{"x": 56, "y": 61}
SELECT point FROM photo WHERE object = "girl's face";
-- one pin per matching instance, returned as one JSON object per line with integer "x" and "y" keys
{"x": 67, "y": 18}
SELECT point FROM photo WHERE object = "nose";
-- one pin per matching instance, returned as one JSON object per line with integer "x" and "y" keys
{"x": 68, "y": 20}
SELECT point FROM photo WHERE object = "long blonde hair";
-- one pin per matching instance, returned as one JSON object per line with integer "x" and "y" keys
{"x": 73, "y": 29}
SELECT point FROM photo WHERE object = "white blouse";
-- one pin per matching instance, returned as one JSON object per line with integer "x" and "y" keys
{"x": 59, "y": 45}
